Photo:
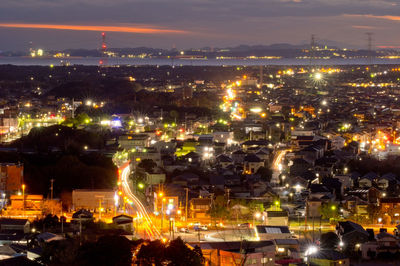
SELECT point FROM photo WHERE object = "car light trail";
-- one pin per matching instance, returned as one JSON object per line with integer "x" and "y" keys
{"x": 150, "y": 229}
{"x": 278, "y": 159}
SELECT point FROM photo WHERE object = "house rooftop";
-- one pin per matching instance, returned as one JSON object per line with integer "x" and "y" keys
{"x": 349, "y": 227}
{"x": 11, "y": 221}
{"x": 269, "y": 229}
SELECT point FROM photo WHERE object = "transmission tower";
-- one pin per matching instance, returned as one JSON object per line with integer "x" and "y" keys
{"x": 369, "y": 40}
{"x": 312, "y": 50}
{"x": 103, "y": 59}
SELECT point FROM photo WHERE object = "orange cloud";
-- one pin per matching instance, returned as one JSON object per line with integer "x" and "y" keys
{"x": 143, "y": 30}
{"x": 363, "y": 27}
{"x": 393, "y": 18}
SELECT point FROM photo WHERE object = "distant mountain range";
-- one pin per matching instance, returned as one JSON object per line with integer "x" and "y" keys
{"x": 325, "y": 48}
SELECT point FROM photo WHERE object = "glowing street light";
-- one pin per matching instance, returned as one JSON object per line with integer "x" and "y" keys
{"x": 277, "y": 203}
{"x": 311, "y": 250}
{"x": 318, "y": 76}
{"x": 256, "y": 215}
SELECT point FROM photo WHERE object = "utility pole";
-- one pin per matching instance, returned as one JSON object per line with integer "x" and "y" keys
{"x": 186, "y": 205}
{"x": 298, "y": 223}
{"x": 51, "y": 189}
{"x": 162, "y": 215}
{"x": 73, "y": 109}
{"x": 80, "y": 228}
{"x": 99, "y": 209}
{"x": 23, "y": 199}
{"x": 100, "y": 197}
{"x": 313, "y": 239}
{"x": 185, "y": 123}
{"x": 228, "y": 190}
{"x": 305, "y": 217}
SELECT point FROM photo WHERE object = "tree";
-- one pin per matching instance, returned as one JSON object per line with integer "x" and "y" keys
{"x": 174, "y": 115}
{"x": 265, "y": 173}
{"x": 179, "y": 254}
{"x": 152, "y": 254}
{"x": 81, "y": 119}
{"x": 329, "y": 240}
{"x": 239, "y": 134}
{"x": 108, "y": 250}
{"x": 329, "y": 211}
{"x": 218, "y": 209}
{"x": 59, "y": 252}
{"x": 148, "y": 165}
{"x": 373, "y": 212}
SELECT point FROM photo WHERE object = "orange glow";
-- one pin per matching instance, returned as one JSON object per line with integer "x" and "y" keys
{"x": 393, "y": 18}
{"x": 136, "y": 29}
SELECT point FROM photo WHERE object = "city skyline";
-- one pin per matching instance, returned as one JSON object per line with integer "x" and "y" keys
{"x": 195, "y": 24}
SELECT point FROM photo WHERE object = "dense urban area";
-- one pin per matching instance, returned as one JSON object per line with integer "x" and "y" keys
{"x": 200, "y": 165}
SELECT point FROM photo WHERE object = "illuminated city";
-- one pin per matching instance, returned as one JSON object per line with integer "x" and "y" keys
{"x": 199, "y": 133}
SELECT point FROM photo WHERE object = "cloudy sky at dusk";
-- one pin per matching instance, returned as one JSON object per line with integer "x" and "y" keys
{"x": 59, "y": 24}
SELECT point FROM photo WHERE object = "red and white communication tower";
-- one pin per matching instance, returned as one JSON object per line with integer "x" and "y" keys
{"x": 103, "y": 59}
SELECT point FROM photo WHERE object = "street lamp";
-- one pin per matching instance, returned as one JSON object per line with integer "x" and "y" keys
{"x": 276, "y": 203}
{"x": 162, "y": 213}
{"x": 256, "y": 215}
{"x": 310, "y": 250}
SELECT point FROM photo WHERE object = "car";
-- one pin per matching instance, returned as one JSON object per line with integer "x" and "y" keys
{"x": 244, "y": 225}
{"x": 204, "y": 228}
{"x": 184, "y": 230}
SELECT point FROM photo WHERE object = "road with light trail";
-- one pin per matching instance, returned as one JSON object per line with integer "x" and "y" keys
{"x": 279, "y": 155}
{"x": 150, "y": 228}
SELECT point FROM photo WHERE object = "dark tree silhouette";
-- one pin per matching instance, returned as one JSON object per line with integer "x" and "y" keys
{"x": 179, "y": 254}
{"x": 148, "y": 165}
{"x": 329, "y": 240}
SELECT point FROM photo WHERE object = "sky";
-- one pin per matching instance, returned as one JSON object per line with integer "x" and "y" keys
{"x": 62, "y": 24}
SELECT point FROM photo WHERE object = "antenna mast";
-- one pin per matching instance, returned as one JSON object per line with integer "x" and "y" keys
{"x": 103, "y": 60}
